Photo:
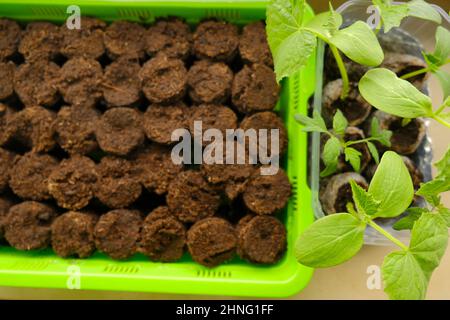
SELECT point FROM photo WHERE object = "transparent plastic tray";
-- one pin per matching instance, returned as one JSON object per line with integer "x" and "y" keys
{"x": 423, "y": 32}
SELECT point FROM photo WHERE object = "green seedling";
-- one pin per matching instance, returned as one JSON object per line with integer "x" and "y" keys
{"x": 293, "y": 40}
{"x": 336, "y": 145}
{"x": 336, "y": 238}
{"x": 392, "y": 14}
{"x": 385, "y": 91}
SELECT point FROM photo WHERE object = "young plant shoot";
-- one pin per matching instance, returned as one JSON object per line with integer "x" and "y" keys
{"x": 336, "y": 145}
{"x": 392, "y": 15}
{"x": 386, "y": 92}
{"x": 336, "y": 238}
{"x": 292, "y": 39}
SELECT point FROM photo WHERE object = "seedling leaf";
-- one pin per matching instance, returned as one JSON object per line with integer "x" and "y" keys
{"x": 384, "y": 90}
{"x": 374, "y": 152}
{"x": 354, "y": 157}
{"x": 330, "y": 241}
{"x": 429, "y": 239}
{"x": 359, "y": 43}
{"x": 442, "y": 48}
{"x": 392, "y": 186}
{"x": 391, "y": 15}
{"x": 330, "y": 156}
{"x": 364, "y": 201}
{"x": 340, "y": 123}
{"x": 444, "y": 80}
{"x": 407, "y": 222}
{"x": 423, "y": 10}
{"x": 403, "y": 277}
{"x": 314, "y": 124}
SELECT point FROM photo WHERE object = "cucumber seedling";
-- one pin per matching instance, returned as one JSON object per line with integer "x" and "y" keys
{"x": 293, "y": 40}
{"x": 336, "y": 145}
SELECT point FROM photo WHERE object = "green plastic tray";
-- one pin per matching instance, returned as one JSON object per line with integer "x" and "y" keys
{"x": 43, "y": 269}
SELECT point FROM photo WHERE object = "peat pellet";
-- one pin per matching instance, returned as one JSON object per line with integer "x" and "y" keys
{"x": 255, "y": 89}
{"x": 253, "y": 46}
{"x": 5, "y": 205}
{"x": 28, "y": 225}
{"x": 120, "y": 131}
{"x": 268, "y": 121}
{"x": 155, "y": 168}
{"x": 232, "y": 174}
{"x": 402, "y": 64}
{"x": 261, "y": 239}
{"x": 5, "y": 114}
{"x": 171, "y": 37}
{"x": 80, "y": 82}
{"x": 337, "y": 192}
{"x": 211, "y": 116}
{"x": 209, "y": 82}
{"x": 86, "y": 42}
{"x": 124, "y": 39}
{"x": 405, "y": 140}
{"x": 121, "y": 85}
{"x": 212, "y": 241}
{"x": 161, "y": 121}
{"x": 117, "y": 233}
{"x": 40, "y": 41}
{"x": 10, "y": 35}
{"x": 75, "y": 129}
{"x": 354, "y": 107}
{"x": 117, "y": 186}
{"x": 73, "y": 234}
{"x": 36, "y": 83}
{"x": 266, "y": 194}
{"x": 73, "y": 182}
{"x": 163, "y": 238}
{"x": 163, "y": 79}
{"x": 216, "y": 40}
{"x": 191, "y": 198}
{"x": 6, "y": 161}
{"x": 7, "y": 70}
{"x": 29, "y": 176}
{"x": 31, "y": 128}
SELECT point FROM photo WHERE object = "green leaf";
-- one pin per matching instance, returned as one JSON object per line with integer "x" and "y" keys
{"x": 405, "y": 122}
{"x": 330, "y": 241}
{"x": 385, "y": 91}
{"x": 445, "y": 214}
{"x": 314, "y": 124}
{"x": 429, "y": 239}
{"x": 326, "y": 23}
{"x": 365, "y": 202}
{"x": 442, "y": 47}
{"x": 359, "y": 43}
{"x": 293, "y": 53}
{"x": 391, "y": 15}
{"x": 354, "y": 157}
{"x": 374, "y": 152}
{"x": 383, "y": 136}
{"x": 403, "y": 277}
{"x": 284, "y": 17}
{"x": 444, "y": 80}
{"x": 340, "y": 123}
{"x": 434, "y": 187}
{"x": 422, "y": 10}
{"x": 392, "y": 186}
{"x": 443, "y": 165}
{"x": 330, "y": 156}
{"x": 407, "y": 222}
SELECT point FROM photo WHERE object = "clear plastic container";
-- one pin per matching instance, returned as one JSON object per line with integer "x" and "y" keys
{"x": 423, "y": 31}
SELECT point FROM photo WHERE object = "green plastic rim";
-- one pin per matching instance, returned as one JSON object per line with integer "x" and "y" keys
{"x": 43, "y": 269}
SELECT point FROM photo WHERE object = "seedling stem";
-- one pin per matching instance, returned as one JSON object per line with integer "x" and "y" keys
{"x": 387, "y": 234}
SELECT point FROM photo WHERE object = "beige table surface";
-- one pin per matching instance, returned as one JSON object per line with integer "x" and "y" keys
{"x": 347, "y": 281}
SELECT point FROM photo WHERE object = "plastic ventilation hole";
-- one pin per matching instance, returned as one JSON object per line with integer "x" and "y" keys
{"x": 294, "y": 193}
{"x": 48, "y": 12}
{"x": 30, "y": 265}
{"x": 142, "y": 14}
{"x": 230, "y": 14}
{"x": 213, "y": 274}
{"x": 121, "y": 269}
